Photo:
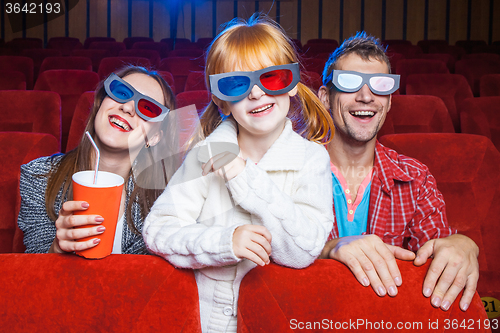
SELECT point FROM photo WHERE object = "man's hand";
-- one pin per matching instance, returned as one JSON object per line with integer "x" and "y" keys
{"x": 372, "y": 261}
{"x": 454, "y": 268}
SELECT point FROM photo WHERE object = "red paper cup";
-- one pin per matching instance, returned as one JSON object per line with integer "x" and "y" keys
{"x": 104, "y": 199}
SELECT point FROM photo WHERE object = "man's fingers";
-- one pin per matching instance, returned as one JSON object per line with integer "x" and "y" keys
{"x": 381, "y": 259}
{"x": 424, "y": 253}
{"x": 433, "y": 274}
{"x": 470, "y": 290}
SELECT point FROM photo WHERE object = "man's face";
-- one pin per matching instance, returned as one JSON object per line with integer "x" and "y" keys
{"x": 357, "y": 116}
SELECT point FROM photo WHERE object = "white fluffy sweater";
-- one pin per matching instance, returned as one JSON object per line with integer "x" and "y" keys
{"x": 289, "y": 192}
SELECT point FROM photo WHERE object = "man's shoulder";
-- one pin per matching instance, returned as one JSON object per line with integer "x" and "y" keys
{"x": 389, "y": 158}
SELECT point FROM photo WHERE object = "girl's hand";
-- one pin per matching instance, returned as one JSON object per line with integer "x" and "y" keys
{"x": 227, "y": 162}
{"x": 252, "y": 242}
{"x": 67, "y": 235}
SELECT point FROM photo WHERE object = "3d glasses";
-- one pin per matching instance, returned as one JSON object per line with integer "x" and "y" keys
{"x": 274, "y": 80}
{"x": 145, "y": 107}
{"x": 379, "y": 84}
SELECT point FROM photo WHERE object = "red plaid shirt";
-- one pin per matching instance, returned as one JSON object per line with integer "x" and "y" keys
{"x": 406, "y": 208}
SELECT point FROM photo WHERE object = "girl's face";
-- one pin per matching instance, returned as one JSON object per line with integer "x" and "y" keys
{"x": 260, "y": 114}
{"x": 118, "y": 127}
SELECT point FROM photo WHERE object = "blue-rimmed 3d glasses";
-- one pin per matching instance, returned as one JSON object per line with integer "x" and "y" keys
{"x": 145, "y": 107}
{"x": 350, "y": 81}
{"x": 274, "y": 80}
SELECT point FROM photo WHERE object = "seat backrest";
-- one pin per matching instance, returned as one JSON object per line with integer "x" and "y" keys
{"x": 70, "y": 84}
{"x": 407, "y": 67}
{"x": 481, "y": 115}
{"x": 180, "y": 67}
{"x": 31, "y": 111}
{"x": 169, "y": 78}
{"x": 474, "y": 69}
{"x": 17, "y": 148}
{"x": 94, "y": 55}
{"x": 21, "y": 64}
{"x": 82, "y": 112}
{"x": 12, "y": 80}
{"x": 113, "y": 47}
{"x": 111, "y": 64}
{"x": 417, "y": 114}
{"x": 451, "y": 88}
{"x": 161, "y": 48}
{"x": 311, "y": 79}
{"x": 90, "y": 40}
{"x": 467, "y": 171}
{"x": 195, "y": 81}
{"x": 201, "y": 98}
{"x": 152, "y": 55}
{"x": 81, "y": 63}
{"x": 425, "y": 44}
{"x": 489, "y": 85}
{"x": 129, "y": 41}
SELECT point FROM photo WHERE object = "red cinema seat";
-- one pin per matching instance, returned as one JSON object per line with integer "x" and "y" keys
{"x": 394, "y": 58}
{"x": 467, "y": 171}
{"x": 184, "y": 43}
{"x": 70, "y": 84}
{"x": 274, "y": 298}
{"x": 38, "y": 55}
{"x": 204, "y": 42}
{"x": 180, "y": 67}
{"x": 18, "y": 45}
{"x": 314, "y": 65}
{"x": 95, "y": 56}
{"x": 408, "y": 51}
{"x": 474, "y": 69}
{"x": 417, "y": 114}
{"x": 200, "y": 98}
{"x": 488, "y": 57}
{"x": 169, "y": 78}
{"x": 114, "y": 48}
{"x": 448, "y": 59}
{"x": 407, "y": 67}
{"x": 311, "y": 79}
{"x": 313, "y": 49}
{"x": 195, "y": 81}
{"x": 297, "y": 43}
{"x": 81, "y": 115}
{"x": 12, "y": 80}
{"x": 64, "y": 44}
{"x": 122, "y": 293}
{"x": 161, "y": 48}
{"x": 111, "y": 64}
{"x": 90, "y": 40}
{"x": 17, "y": 148}
{"x": 481, "y": 115}
{"x": 426, "y": 44}
{"x": 468, "y": 45}
{"x": 389, "y": 42}
{"x": 489, "y": 85}
{"x": 451, "y": 88}
{"x": 21, "y": 64}
{"x": 191, "y": 53}
{"x": 152, "y": 55}
{"x": 31, "y": 111}
{"x": 80, "y": 63}
{"x": 130, "y": 41}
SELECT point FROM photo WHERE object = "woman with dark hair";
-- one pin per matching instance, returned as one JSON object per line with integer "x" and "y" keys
{"x": 128, "y": 123}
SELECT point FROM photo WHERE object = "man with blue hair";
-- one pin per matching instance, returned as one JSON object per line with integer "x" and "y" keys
{"x": 387, "y": 205}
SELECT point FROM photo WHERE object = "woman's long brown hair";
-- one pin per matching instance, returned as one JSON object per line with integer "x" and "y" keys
{"x": 80, "y": 158}
{"x": 248, "y": 44}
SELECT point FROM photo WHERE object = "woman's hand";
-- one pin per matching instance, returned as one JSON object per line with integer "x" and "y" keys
{"x": 67, "y": 235}
{"x": 252, "y": 242}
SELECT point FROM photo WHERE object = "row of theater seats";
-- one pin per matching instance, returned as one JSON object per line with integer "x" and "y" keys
{"x": 467, "y": 169}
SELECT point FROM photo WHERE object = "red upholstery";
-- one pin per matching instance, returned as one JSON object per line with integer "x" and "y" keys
{"x": 21, "y": 64}
{"x": 193, "y": 53}
{"x": 17, "y": 148}
{"x": 394, "y": 58}
{"x": 489, "y": 57}
{"x": 184, "y": 44}
{"x": 180, "y": 67}
{"x": 38, "y": 55}
{"x": 90, "y": 40}
{"x": 80, "y": 118}
{"x": 195, "y": 81}
{"x": 31, "y": 111}
{"x": 70, "y": 84}
{"x": 152, "y": 55}
{"x": 407, "y": 67}
{"x": 389, "y": 42}
{"x": 161, "y": 48}
{"x": 169, "y": 78}
{"x": 277, "y": 299}
{"x": 94, "y": 55}
{"x": 311, "y": 79}
{"x": 489, "y": 85}
{"x": 114, "y": 48}
{"x": 314, "y": 65}
{"x": 408, "y": 51}
{"x": 111, "y": 64}
{"x": 121, "y": 293}
{"x": 474, "y": 69}
{"x": 81, "y": 63}
{"x": 426, "y": 44}
{"x": 313, "y": 49}
{"x": 467, "y": 170}
{"x": 468, "y": 45}
{"x": 17, "y": 45}
{"x": 12, "y": 80}
{"x": 64, "y": 44}
{"x": 204, "y": 42}
{"x": 130, "y": 41}
{"x": 481, "y": 115}
{"x": 448, "y": 59}
{"x": 451, "y": 88}
{"x": 417, "y": 114}
{"x": 201, "y": 98}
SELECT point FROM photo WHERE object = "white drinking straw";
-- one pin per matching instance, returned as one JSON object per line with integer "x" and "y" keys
{"x": 97, "y": 155}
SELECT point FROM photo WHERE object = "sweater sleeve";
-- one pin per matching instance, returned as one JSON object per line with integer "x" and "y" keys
{"x": 299, "y": 223}
{"x": 39, "y": 230}
{"x": 172, "y": 231}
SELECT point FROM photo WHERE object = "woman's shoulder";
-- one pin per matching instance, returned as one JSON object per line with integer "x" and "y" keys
{"x": 42, "y": 165}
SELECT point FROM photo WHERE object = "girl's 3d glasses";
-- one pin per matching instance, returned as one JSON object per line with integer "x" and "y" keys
{"x": 379, "y": 84}
{"x": 145, "y": 107}
{"x": 274, "y": 80}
